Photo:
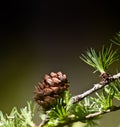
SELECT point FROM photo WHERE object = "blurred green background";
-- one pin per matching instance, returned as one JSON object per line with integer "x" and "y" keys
{"x": 40, "y": 37}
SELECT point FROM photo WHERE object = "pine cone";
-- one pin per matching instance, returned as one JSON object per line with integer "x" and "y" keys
{"x": 50, "y": 89}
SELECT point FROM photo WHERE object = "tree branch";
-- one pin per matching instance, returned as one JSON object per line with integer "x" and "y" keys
{"x": 79, "y": 97}
{"x": 43, "y": 122}
{"x": 115, "y": 108}
{"x": 96, "y": 87}
{"x": 72, "y": 120}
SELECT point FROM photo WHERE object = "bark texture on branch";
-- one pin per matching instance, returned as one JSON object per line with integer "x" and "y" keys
{"x": 79, "y": 97}
{"x": 96, "y": 87}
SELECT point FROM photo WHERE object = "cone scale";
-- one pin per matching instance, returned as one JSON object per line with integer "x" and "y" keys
{"x": 50, "y": 89}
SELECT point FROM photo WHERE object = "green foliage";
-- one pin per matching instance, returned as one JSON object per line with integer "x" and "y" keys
{"x": 109, "y": 93}
{"x": 60, "y": 112}
{"x": 87, "y": 111}
{"x": 91, "y": 123}
{"x": 104, "y": 100}
{"x": 116, "y": 39}
{"x": 114, "y": 88}
{"x": 16, "y": 119}
{"x": 83, "y": 109}
{"x": 101, "y": 60}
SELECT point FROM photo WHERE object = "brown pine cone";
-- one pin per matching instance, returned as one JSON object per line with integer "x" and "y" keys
{"x": 50, "y": 89}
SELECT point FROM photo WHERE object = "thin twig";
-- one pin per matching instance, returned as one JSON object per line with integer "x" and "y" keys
{"x": 96, "y": 87}
{"x": 43, "y": 122}
{"x": 72, "y": 120}
{"x": 115, "y": 108}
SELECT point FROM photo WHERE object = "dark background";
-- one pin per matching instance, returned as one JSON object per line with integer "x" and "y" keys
{"x": 37, "y": 37}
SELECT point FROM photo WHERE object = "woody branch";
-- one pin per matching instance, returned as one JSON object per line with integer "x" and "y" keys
{"x": 96, "y": 87}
